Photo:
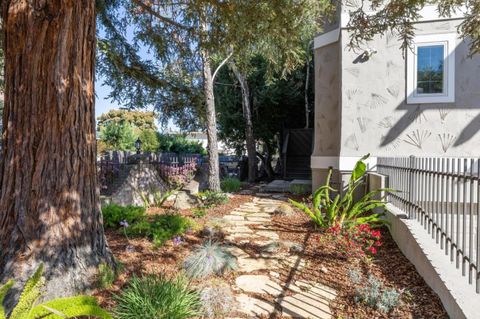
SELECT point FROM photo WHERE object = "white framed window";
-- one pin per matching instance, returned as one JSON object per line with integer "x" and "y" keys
{"x": 431, "y": 69}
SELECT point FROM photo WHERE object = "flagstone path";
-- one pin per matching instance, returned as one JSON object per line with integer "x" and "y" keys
{"x": 258, "y": 280}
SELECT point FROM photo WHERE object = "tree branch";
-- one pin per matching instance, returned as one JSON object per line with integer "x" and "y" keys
{"x": 221, "y": 64}
{"x": 162, "y": 18}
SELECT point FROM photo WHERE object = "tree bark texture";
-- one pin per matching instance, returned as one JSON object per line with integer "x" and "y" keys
{"x": 247, "y": 116}
{"x": 49, "y": 201}
{"x": 213, "y": 162}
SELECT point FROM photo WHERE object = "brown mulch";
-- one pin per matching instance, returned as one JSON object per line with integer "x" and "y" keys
{"x": 389, "y": 265}
{"x": 167, "y": 260}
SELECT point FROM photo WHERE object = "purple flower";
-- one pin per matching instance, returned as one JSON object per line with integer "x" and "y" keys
{"x": 177, "y": 240}
{"x": 124, "y": 223}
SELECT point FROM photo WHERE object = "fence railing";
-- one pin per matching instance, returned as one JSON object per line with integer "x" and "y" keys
{"x": 443, "y": 195}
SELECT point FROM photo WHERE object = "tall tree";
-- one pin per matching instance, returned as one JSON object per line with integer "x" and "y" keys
{"x": 399, "y": 16}
{"x": 49, "y": 202}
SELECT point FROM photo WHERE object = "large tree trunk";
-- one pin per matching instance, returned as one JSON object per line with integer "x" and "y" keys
{"x": 247, "y": 116}
{"x": 213, "y": 163}
{"x": 49, "y": 202}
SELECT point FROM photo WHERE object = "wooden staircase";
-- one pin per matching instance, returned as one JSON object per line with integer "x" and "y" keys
{"x": 297, "y": 150}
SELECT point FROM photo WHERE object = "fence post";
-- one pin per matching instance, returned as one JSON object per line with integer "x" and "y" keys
{"x": 410, "y": 185}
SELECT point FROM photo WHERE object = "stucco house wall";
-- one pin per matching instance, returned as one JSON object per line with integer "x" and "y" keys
{"x": 363, "y": 108}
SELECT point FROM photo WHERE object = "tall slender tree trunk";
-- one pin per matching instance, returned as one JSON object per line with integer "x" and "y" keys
{"x": 213, "y": 162}
{"x": 247, "y": 115}
{"x": 49, "y": 200}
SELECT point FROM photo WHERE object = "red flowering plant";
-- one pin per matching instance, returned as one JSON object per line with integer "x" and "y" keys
{"x": 356, "y": 242}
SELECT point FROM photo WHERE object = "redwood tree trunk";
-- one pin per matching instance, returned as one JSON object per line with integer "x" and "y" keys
{"x": 49, "y": 202}
{"x": 247, "y": 116}
{"x": 213, "y": 162}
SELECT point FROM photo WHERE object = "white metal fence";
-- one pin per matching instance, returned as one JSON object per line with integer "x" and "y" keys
{"x": 443, "y": 195}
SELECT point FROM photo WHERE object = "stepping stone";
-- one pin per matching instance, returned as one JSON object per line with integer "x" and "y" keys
{"x": 238, "y": 213}
{"x": 253, "y": 264}
{"x": 305, "y": 305}
{"x": 233, "y": 218}
{"x": 259, "y": 284}
{"x": 238, "y": 229}
{"x": 258, "y": 219}
{"x": 269, "y": 234}
{"x": 254, "y": 307}
{"x": 237, "y": 252}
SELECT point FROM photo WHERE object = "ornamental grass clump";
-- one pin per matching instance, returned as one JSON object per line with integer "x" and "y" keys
{"x": 230, "y": 185}
{"x": 156, "y": 297}
{"x": 216, "y": 299}
{"x": 209, "y": 259}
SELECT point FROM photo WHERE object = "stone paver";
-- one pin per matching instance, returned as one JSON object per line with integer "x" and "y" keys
{"x": 250, "y": 225}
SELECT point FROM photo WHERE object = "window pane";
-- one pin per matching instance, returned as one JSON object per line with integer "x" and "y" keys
{"x": 430, "y": 69}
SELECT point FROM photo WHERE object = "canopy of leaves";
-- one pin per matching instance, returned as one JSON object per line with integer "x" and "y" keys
{"x": 149, "y": 51}
{"x": 277, "y": 103}
{"x": 178, "y": 143}
{"x": 138, "y": 119}
{"x": 399, "y": 17}
{"x": 118, "y": 136}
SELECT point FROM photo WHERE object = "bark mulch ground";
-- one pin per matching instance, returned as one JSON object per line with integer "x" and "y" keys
{"x": 389, "y": 265}
{"x": 324, "y": 265}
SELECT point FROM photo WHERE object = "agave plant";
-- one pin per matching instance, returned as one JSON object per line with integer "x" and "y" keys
{"x": 70, "y": 307}
{"x": 333, "y": 208}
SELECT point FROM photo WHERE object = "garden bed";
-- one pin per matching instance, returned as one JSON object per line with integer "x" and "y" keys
{"x": 323, "y": 264}
{"x": 389, "y": 265}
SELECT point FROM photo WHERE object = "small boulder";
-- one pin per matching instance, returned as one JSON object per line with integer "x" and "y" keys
{"x": 284, "y": 210}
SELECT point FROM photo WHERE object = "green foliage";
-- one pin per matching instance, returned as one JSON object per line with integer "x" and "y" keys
{"x": 156, "y": 297}
{"x": 231, "y": 185}
{"x": 199, "y": 212}
{"x": 160, "y": 228}
{"x": 150, "y": 140}
{"x": 158, "y": 197}
{"x": 299, "y": 189}
{"x": 178, "y": 143}
{"x": 113, "y": 214}
{"x": 332, "y": 208}
{"x": 373, "y": 294}
{"x": 399, "y": 18}
{"x": 138, "y": 119}
{"x": 70, "y": 307}
{"x": 211, "y": 199}
{"x": 107, "y": 275}
{"x": 118, "y": 136}
{"x": 209, "y": 259}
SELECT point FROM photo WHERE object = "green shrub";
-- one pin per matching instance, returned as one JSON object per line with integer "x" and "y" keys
{"x": 155, "y": 297}
{"x": 113, "y": 214}
{"x": 69, "y": 307}
{"x": 209, "y": 259}
{"x": 299, "y": 189}
{"x": 160, "y": 228}
{"x": 342, "y": 209}
{"x": 231, "y": 185}
{"x": 210, "y": 199}
{"x": 199, "y": 212}
{"x": 178, "y": 143}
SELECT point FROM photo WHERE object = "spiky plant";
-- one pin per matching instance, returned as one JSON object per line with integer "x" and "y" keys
{"x": 217, "y": 299}
{"x": 156, "y": 297}
{"x": 209, "y": 259}
{"x": 70, "y": 307}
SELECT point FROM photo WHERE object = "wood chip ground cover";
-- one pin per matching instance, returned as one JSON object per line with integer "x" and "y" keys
{"x": 321, "y": 264}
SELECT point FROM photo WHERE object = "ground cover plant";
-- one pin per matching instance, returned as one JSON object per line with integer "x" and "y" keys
{"x": 210, "y": 199}
{"x": 217, "y": 299}
{"x": 29, "y": 308}
{"x": 160, "y": 228}
{"x": 157, "y": 297}
{"x": 114, "y": 215}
